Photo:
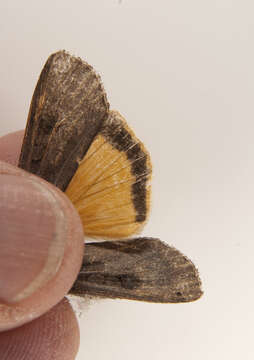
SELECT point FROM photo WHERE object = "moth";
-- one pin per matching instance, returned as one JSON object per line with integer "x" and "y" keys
{"x": 76, "y": 142}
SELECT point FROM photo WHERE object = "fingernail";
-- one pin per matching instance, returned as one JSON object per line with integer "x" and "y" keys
{"x": 32, "y": 236}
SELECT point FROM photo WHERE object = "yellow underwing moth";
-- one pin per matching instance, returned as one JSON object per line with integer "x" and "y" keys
{"x": 74, "y": 141}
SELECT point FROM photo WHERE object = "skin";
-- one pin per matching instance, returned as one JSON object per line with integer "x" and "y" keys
{"x": 40, "y": 321}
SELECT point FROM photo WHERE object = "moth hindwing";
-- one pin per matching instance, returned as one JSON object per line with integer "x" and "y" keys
{"x": 111, "y": 187}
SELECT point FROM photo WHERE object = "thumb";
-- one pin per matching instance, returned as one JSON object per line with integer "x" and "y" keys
{"x": 41, "y": 246}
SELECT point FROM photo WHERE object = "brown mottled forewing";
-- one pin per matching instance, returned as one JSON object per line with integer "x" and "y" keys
{"x": 67, "y": 110}
{"x": 138, "y": 269}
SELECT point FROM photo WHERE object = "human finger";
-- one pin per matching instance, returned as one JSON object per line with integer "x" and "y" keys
{"x": 54, "y": 336}
{"x": 41, "y": 247}
{"x": 10, "y": 146}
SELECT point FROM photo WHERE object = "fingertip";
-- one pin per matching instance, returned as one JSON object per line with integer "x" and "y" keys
{"x": 43, "y": 279}
{"x": 55, "y": 335}
{"x": 10, "y": 146}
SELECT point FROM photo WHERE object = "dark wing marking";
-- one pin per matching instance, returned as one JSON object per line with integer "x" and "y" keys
{"x": 138, "y": 269}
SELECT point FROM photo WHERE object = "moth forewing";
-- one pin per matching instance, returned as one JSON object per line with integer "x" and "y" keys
{"x": 68, "y": 108}
{"x": 144, "y": 269}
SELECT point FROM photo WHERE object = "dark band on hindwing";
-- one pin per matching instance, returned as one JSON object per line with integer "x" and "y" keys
{"x": 117, "y": 135}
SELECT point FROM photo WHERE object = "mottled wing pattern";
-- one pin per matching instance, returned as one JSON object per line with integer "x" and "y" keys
{"x": 138, "y": 269}
{"x": 68, "y": 107}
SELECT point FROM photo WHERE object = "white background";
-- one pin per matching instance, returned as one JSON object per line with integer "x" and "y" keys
{"x": 182, "y": 74}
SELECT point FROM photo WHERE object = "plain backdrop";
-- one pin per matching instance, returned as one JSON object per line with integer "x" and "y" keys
{"x": 182, "y": 74}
